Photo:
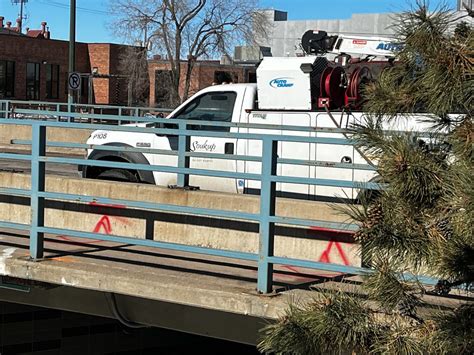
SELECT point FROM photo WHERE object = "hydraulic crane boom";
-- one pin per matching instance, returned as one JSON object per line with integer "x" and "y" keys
{"x": 319, "y": 42}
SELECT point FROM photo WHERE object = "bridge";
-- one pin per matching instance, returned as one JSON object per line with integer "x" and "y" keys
{"x": 203, "y": 262}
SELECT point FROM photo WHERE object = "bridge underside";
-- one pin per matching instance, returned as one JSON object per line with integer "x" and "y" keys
{"x": 182, "y": 318}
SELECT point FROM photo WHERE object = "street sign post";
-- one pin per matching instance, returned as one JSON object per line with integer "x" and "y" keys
{"x": 74, "y": 81}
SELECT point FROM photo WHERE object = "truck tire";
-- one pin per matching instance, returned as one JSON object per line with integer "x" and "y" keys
{"x": 118, "y": 175}
{"x": 143, "y": 176}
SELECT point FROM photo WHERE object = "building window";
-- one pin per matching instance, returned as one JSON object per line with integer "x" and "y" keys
{"x": 221, "y": 77}
{"x": 32, "y": 81}
{"x": 162, "y": 88}
{"x": 52, "y": 81}
{"x": 7, "y": 79}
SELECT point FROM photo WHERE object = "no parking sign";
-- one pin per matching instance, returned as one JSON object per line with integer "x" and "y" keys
{"x": 74, "y": 81}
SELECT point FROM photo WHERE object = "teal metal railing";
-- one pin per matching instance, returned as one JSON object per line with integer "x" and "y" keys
{"x": 268, "y": 178}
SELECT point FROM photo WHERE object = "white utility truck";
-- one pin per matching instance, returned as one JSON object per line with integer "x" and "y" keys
{"x": 297, "y": 91}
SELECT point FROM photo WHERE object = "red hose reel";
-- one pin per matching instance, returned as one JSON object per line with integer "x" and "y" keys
{"x": 359, "y": 77}
{"x": 336, "y": 91}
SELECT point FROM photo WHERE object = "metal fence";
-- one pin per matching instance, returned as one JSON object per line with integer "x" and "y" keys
{"x": 76, "y": 112}
{"x": 268, "y": 177}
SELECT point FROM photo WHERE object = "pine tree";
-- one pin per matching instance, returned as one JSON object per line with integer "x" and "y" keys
{"x": 422, "y": 222}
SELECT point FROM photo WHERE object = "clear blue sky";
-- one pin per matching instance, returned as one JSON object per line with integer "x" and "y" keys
{"x": 92, "y": 15}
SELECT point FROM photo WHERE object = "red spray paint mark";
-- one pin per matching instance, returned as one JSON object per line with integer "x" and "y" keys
{"x": 325, "y": 255}
{"x": 104, "y": 224}
{"x": 122, "y": 220}
{"x": 324, "y": 258}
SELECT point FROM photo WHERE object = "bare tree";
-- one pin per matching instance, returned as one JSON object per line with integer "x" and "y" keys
{"x": 133, "y": 64}
{"x": 188, "y": 30}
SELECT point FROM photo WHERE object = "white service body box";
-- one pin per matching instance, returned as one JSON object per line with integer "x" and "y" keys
{"x": 282, "y": 85}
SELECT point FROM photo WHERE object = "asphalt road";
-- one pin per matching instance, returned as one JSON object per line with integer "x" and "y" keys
{"x": 22, "y": 166}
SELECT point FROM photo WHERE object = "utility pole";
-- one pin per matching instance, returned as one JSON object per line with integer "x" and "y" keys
{"x": 72, "y": 48}
{"x": 21, "y": 4}
{"x": 20, "y": 25}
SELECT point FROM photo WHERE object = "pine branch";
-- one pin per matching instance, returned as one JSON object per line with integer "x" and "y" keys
{"x": 291, "y": 334}
{"x": 394, "y": 294}
{"x": 453, "y": 331}
{"x": 338, "y": 323}
{"x": 402, "y": 338}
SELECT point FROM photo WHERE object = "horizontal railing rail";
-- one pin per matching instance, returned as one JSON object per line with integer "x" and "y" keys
{"x": 185, "y": 153}
{"x": 82, "y": 116}
{"x": 61, "y": 111}
{"x": 266, "y": 218}
{"x": 45, "y": 104}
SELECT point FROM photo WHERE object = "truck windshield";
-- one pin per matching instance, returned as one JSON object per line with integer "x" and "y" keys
{"x": 212, "y": 106}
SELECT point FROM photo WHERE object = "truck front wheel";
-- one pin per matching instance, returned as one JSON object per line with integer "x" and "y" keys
{"x": 118, "y": 175}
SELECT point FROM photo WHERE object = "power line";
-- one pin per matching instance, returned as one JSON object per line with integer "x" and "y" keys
{"x": 79, "y": 8}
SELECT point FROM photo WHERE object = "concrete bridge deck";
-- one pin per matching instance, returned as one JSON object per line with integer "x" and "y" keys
{"x": 174, "y": 290}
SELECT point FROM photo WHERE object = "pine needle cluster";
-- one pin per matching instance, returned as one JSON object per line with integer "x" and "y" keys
{"x": 323, "y": 327}
{"x": 422, "y": 223}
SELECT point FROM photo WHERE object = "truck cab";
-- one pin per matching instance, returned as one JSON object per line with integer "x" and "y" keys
{"x": 219, "y": 103}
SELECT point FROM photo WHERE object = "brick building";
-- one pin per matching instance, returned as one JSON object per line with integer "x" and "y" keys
{"x": 204, "y": 74}
{"x": 35, "y": 67}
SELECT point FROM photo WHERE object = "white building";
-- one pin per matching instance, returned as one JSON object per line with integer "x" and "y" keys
{"x": 284, "y": 36}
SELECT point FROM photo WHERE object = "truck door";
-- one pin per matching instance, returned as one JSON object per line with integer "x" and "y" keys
{"x": 218, "y": 106}
{"x": 254, "y": 147}
{"x": 248, "y": 104}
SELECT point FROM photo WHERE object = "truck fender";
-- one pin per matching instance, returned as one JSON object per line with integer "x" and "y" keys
{"x": 131, "y": 157}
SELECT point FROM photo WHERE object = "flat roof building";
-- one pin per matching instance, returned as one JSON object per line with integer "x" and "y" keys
{"x": 284, "y": 36}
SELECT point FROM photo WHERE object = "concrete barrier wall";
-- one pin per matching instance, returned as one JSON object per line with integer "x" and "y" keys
{"x": 9, "y": 132}
{"x": 304, "y": 243}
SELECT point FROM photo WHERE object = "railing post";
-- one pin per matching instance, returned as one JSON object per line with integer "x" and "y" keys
{"x": 7, "y": 109}
{"x": 38, "y": 149}
{"x": 183, "y": 160}
{"x": 137, "y": 112}
{"x": 267, "y": 210}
